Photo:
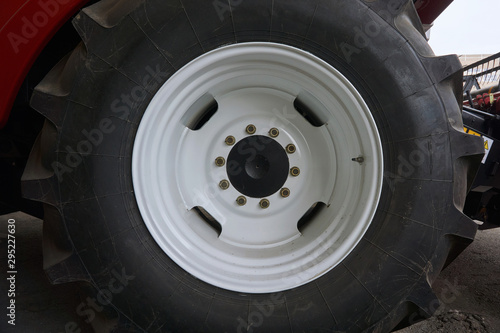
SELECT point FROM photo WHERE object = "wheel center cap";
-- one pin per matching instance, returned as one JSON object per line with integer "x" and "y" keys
{"x": 257, "y": 166}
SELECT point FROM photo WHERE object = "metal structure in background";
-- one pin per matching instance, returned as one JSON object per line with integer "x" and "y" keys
{"x": 481, "y": 115}
{"x": 482, "y": 74}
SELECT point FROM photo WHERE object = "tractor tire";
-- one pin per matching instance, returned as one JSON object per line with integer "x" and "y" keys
{"x": 352, "y": 114}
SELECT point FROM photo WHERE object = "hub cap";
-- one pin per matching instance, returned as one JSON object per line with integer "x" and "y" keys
{"x": 257, "y": 167}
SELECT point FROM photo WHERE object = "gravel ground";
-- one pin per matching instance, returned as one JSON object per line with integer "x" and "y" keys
{"x": 469, "y": 289}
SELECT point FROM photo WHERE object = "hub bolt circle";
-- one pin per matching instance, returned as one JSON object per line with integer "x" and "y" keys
{"x": 290, "y": 149}
{"x": 264, "y": 203}
{"x": 251, "y": 129}
{"x": 230, "y": 140}
{"x": 241, "y": 200}
{"x": 274, "y": 132}
{"x": 295, "y": 171}
{"x": 285, "y": 192}
{"x": 220, "y": 161}
{"x": 224, "y": 184}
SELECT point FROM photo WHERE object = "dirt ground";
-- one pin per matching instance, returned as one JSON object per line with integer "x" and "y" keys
{"x": 469, "y": 289}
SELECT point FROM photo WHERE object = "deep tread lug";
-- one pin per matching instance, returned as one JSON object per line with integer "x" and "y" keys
{"x": 409, "y": 24}
{"x": 38, "y": 190}
{"x": 424, "y": 298}
{"x": 464, "y": 144}
{"x": 467, "y": 152}
{"x": 47, "y": 105}
{"x": 392, "y": 7}
{"x": 100, "y": 17}
{"x": 459, "y": 235}
{"x": 59, "y": 260}
{"x": 38, "y": 180}
{"x": 50, "y": 95}
{"x": 87, "y": 28}
{"x": 68, "y": 270}
{"x": 463, "y": 227}
{"x": 444, "y": 68}
{"x": 109, "y": 13}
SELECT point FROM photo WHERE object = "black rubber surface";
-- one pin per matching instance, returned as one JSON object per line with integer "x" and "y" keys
{"x": 97, "y": 95}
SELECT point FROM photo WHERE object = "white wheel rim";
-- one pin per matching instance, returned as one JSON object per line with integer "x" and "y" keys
{"x": 259, "y": 250}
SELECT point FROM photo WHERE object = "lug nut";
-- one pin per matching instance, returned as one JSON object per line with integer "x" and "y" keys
{"x": 290, "y": 149}
{"x": 224, "y": 184}
{"x": 285, "y": 192}
{"x": 230, "y": 140}
{"x": 264, "y": 203}
{"x": 220, "y": 161}
{"x": 274, "y": 132}
{"x": 251, "y": 129}
{"x": 295, "y": 171}
{"x": 241, "y": 200}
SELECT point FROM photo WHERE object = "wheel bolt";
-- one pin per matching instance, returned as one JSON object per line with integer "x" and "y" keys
{"x": 224, "y": 184}
{"x": 241, "y": 200}
{"x": 285, "y": 192}
{"x": 290, "y": 149}
{"x": 264, "y": 203}
{"x": 220, "y": 161}
{"x": 274, "y": 132}
{"x": 230, "y": 140}
{"x": 295, "y": 171}
{"x": 251, "y": 129}
{"x": 360, "y": 159}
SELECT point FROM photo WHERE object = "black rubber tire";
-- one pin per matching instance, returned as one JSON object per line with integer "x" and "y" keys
{"x": 81, "y": 164}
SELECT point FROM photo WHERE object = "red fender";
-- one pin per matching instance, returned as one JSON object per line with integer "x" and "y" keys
{"x": 26, "y": 27}
{"x": 429, "y": 10}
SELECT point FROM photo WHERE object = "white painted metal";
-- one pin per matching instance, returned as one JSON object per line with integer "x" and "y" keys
{"x": 259, "y": 250}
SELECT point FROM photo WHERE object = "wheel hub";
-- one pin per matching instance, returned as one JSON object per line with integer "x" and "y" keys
{"x": 257, "y": 166}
